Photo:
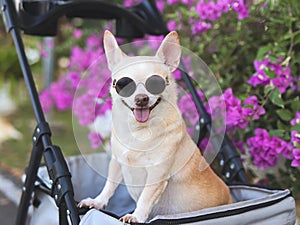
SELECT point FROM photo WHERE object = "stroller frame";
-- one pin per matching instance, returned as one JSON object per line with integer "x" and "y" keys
{"x": 41, "y": 18}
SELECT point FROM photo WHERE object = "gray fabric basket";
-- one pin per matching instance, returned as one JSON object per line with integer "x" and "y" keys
{"x": 252, "y": 205}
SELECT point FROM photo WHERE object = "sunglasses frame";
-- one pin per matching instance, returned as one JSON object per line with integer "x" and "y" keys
{"x": 166, "y": 83}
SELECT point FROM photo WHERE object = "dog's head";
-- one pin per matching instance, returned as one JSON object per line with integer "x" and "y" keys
{"x": 143, "y": 83}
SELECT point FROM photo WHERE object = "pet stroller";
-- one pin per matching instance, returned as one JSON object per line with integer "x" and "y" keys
{"x": 52, "y": 191}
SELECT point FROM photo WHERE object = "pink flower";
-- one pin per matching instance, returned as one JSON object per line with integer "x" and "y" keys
{"x": 95, "y": 139}
{"x": 255, "y": 110}
{"x": 93, "y": 42}
{"x": 46, "y": 100}
{"x": 171, "y": 25}
{"x": 296, "y": 160}
{"x": 160, "y": 4}
{"x": 200, "y": 26}
{"x": 172, "y": 2}
{"x": 77, "y": 33}
{"x": 154, "y": 41}
{"x": 188, "y": 109}
{"x": 296, "y": 119}
{"x": 261, "y": 149}
{"x": 282, "y": 80}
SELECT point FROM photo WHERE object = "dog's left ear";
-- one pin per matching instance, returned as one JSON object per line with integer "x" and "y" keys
{"x": 169, "y": 51}
{"x": 112, "y": 50}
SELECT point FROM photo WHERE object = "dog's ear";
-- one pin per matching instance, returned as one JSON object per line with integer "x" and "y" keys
{"x": 112, "y": 50}
{"x": 169, "y": 51}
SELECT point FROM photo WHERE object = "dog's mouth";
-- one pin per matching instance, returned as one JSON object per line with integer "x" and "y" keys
{"x": 142, "y": 114}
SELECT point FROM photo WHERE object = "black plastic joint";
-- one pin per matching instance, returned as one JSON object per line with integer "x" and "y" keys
{"x": 59, "y": 174}
{"x": 40, "y": 130}
{"x": 204, "y": 121}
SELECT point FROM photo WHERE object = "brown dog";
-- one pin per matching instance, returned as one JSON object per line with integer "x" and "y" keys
{"x": 162, "y": 168}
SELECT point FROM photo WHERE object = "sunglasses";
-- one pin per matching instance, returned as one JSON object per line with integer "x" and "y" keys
{"x": 126, "y": 86}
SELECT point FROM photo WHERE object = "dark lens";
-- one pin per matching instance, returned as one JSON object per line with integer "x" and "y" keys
{"x": 125, "y": 87}
{"x": 155, "y": 84}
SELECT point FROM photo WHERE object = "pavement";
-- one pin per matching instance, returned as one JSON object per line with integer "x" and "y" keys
{"x": 10, "y": 192}
{"x": 8, "y": 210}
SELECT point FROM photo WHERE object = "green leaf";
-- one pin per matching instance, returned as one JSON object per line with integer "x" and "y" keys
{"x": 276, "y": 98}
{"x": 295, "y": 104}
{"x": 262, "y": 52}
{"x": 282, "y": 126}
{"x": 273, "y": 59}
{"x": 296, "y": 144}
{"x": 270, "y": 73}
{"x": 296, "y": 127}
{"x": 284, "y": 114}
{"x": 279, "y": 133}
{"x": 296, "y": 37}
{"x": 267, "y": 89}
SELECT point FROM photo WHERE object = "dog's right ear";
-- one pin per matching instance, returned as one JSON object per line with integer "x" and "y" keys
{"x": 112, "y": 50}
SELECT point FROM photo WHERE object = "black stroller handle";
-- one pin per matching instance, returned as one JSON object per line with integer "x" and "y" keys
{"x": 41, "y": 17}
{"x": 62, "y": 189}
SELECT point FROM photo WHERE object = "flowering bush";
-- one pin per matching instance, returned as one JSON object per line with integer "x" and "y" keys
{"x": 252, "y": 47}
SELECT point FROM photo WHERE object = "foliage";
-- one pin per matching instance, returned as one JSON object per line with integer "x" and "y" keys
{"x": 8, "y": 57}
{"x": 252, "y": 47}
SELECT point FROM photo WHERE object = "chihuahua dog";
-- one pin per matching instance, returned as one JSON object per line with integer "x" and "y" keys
{"x": 152, "y": 152}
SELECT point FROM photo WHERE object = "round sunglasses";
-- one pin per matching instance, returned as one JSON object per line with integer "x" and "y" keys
{"x": 126, "y": 86}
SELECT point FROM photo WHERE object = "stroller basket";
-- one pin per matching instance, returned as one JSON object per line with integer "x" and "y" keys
{"x": 252, "y": 205}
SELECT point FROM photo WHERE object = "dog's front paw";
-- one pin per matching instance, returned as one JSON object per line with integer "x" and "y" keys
{"x": 92, "y": 203}
{"x": 128, "y": 218}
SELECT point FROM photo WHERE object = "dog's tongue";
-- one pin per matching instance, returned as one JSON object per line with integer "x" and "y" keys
{"x": 141, "y": 114}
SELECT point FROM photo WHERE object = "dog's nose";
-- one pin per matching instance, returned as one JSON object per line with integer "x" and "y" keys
{"x": 141, "y": 100}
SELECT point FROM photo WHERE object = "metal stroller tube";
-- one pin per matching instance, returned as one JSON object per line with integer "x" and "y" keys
{"x": 57, "y": 168}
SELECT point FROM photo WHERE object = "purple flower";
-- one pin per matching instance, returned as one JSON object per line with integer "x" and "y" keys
{"x": 77, "y": 33}
{"x": 259, "y": 77}
{"x": 188, "y": 109}
{"x": 128, "y": 3}
{"x": 93, "y": 41}
{"x": 200, "y": 26}
{"x": 154, "y": 41}
{"x": 171, "y": 25}
{"x": 215, "y": 106}
{"x": 295, "y": 84}
{"x": 224, "y": 5}
{"x": 95, "y": 139}
{"x": 282, "y": 147}
{"x": 262, "y": 150}
{"x": 296, "y": 119}
{"x": 234, "y": 117}
{"x": 177, "y": 74}
{"x": 296, "y": 159}
{"x": 160, "y": 5}
{"x": 74, "y": 79}
{"x": 46, "y": 100}
{"x": 241, "y": 8}
{"x": 172, "y": 2}
{"x": 282, "y": 79}
{"x": 239, "y": 145}
{"x": 188, "y": 2}
{"x": 62, "y": 97}
{"x": 102, "y": 108}
{"x": 295, "y": 137}
{"x": 255, "y": 110}
{"x": 209, "y": 10}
